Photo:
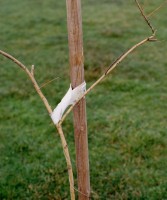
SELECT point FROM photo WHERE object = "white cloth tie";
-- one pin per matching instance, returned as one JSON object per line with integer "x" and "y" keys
{"x": 70, "y": 98}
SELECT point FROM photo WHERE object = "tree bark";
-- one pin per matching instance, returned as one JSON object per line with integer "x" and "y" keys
{"x": 75, "y": 38}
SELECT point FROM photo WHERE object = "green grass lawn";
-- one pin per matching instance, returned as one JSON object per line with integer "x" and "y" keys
{"x": 127, "y": 112}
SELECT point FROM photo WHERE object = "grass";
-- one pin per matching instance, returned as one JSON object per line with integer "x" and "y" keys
{"x": 126, "y": 113}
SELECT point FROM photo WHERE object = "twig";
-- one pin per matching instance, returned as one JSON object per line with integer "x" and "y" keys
{"x": 111, "y": 68}
{"x": 81, "y": 192}
{"x": 150, "y": 14}
{"x": 68, "y": 161}
{"x": 23, "y": 67}
{"x": 145, "y": 18}
{"x": 32, "y": 70}
{"x": 35, "y": 84}
{"x": 59, "y": 128}
{"x": 44, "y": 84}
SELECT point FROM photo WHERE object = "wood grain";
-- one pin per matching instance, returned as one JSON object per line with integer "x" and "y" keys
{"x": 74, "y": 21}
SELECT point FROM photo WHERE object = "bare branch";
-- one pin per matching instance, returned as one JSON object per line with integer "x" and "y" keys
{"x": 35, "y": 84}
{"x": 145, "y": 18}
{"x": 59, "y": 128}
{"x": 111, "y": 68}
{"x": 81, "y": 192}
{"x": 13, "y": 59}
{"x": 154, "y": 11}
{"x": 44, "y": 84}
{"x": 32, "y": 70}
{"x": 68, "y": 161}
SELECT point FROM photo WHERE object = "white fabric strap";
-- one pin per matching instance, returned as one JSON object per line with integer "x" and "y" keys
{"x": 70, "y": 98}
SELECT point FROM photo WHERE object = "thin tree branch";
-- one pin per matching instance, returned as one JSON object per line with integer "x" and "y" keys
{"x": 59, "y": 128}
{"x": 154, "y": 11}
{"x": 145, "y": 17}
{"x": 81, "y": 192}
{"x": 23, "y": 67}
{"x": 111, "y": 68}
{"x": 46, "y": 83}
{"x": 68, "y": 161}
{"x": 30, "y": 75}
{"x": 32, "y": 70}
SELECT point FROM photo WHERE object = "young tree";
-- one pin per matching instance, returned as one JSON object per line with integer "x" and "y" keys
{"x": 79, "y": 104}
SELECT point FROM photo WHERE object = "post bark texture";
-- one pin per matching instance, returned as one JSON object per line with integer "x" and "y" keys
{"x": 75, "y": 38}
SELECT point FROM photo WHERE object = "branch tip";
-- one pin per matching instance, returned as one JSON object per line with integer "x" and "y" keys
{"x": 145, "y": 17}
{"x": 32, "y": 70}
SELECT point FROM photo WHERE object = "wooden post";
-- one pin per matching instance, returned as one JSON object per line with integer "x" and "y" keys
{"x": 75, "y": 38}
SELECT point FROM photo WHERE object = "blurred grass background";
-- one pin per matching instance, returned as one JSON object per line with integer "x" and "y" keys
{"x": 127, "y": 113}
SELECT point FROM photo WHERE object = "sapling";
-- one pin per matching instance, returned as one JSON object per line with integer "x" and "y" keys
{"x": 81, "y": 98}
